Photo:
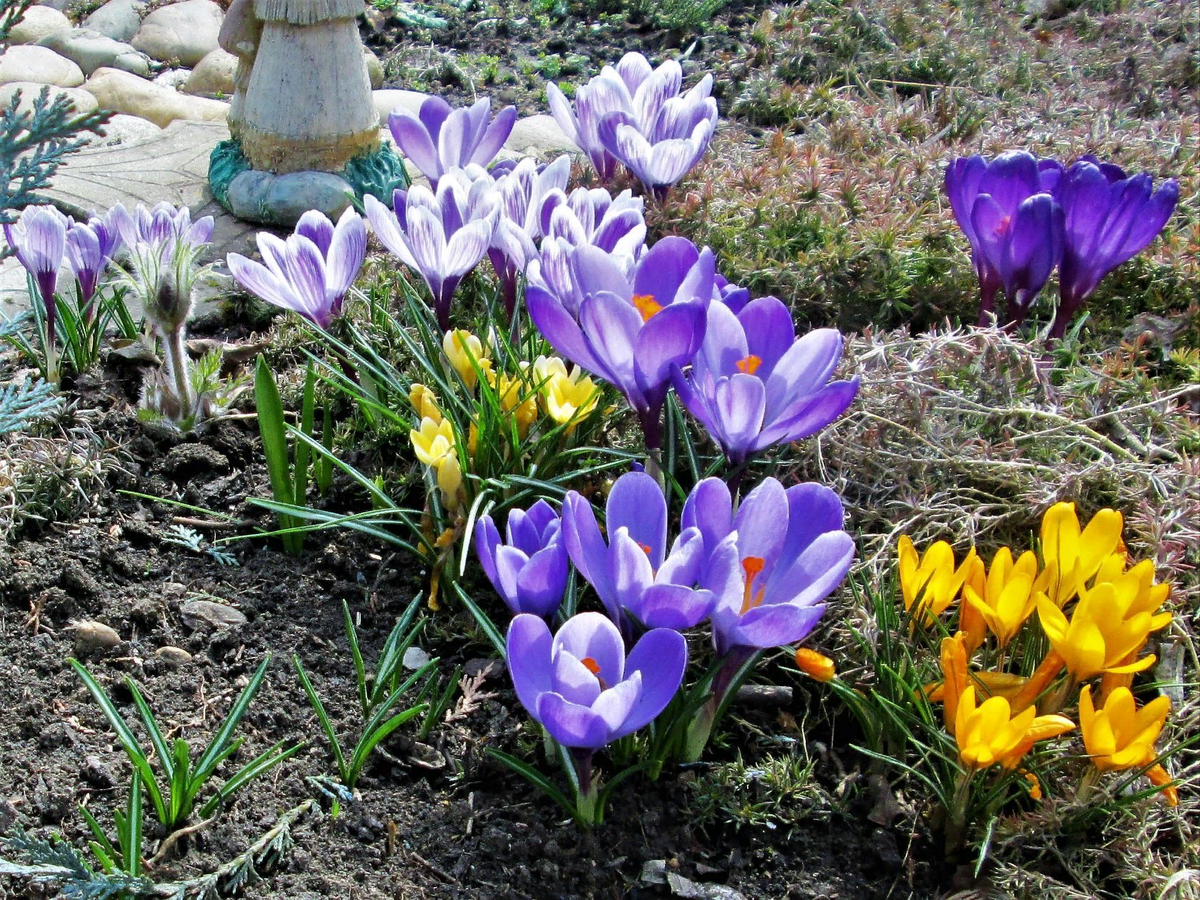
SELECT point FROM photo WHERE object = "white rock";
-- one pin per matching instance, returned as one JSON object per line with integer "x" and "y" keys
{"x": 81, "y": 100}
{"x": 39, "y": 21}
{"x": 91, "y": 50}
{"x": 213, "y": 75}
{"x": 40, "y": 64}
{"x": 127, "y": 93}
{"x": 537, "y": 136}
{"x": 172, "y": 78}
{"x": 182, "y": 33}
{"x": 374, "y": 68}
{"x": 388, "y": 100}
{"x": 117, "y": 19}
{"x": 125, "y": 129}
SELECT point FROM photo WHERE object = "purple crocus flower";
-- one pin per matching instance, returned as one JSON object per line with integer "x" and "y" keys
{"x": 1110, "y": 218}
{"x": 632, "y": 573}
{"x": 593, "y": 216}
{"x": 311, "y": 272}
{"x": 754, "y": 385}
{"x": 440, "y": 138}
{"x": 1013, "y": 224}
{"x": 633, "y": 113}
{"x": 792, "y": 552}
{"x": 519, "y": 225}
{"x": 444, "y": 235}
{"x": 530, "y": 570}
{"x": 579, "y": 684}
{"x": 629, "y": 334}
{"x": 39, "y": 238}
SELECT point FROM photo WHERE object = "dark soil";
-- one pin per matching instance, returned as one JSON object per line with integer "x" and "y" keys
{"x": 432, "y": 820}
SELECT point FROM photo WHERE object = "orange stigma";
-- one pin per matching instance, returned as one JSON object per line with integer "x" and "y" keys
{"x": 594, "y": 667}
{"x": 752, "y": 566}
{"x": 748, "y": 365}
{"x": 1002, "y": 227}
{"x": 646, "y": 305}
{"x": 645, "y": 547}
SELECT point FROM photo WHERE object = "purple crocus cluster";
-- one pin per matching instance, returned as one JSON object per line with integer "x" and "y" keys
{"x": 1023, "y": 217}
{"x": 633, "y": 114}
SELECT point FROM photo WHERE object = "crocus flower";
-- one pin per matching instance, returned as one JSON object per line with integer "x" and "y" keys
{"x": 467, "y": 356}
{"x": 753, "y": 385}
{"x": 442, "y": 236}
{"x": 790, "y": 552}
{"x": 1119, "y": 735}
{"x": 529, "y": 570}
{"x": 566, "y": 398}
{"x": 1070, "y": 556}
{"x": 440, "y": 138}
{"x": 931, "y": 582}
{"x": 816, "y": 666}
{"x": 989, "y": 734}
{"x": 1013, "y": 224}
{"x": 87, "y": 260}
{"x": 517, "y": 398}
{"x": 1005, "y": 598}
{"x": 39, "y": 238}
{"x": 593, "y": 216}
{"x": 628, "y": 334}
{"x": 434, "y": 445}
{"x": 579, "y": 684}
{"x": 632, "y": 573}
{"x": 311, "y": 272}
{"x": 520, "y": 224}
{"x": 1110, "y": 218}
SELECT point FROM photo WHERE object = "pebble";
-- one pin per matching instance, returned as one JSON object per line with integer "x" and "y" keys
{"x": 39, "y": 21}
{"x": 374, "y": 68}
{"x": 91, "y": 50}
{"x": 94, "y": 637}
{"x": 127, "y": 93}
{"x": 125, "y": 129}
{"x": 173, "y": 657}
{"x": 415, "y": 658}
{"x": 213, "y": 75}
{"x": 538, "y": 135}
{"x": 182, "y": 33}
{"x": 81, "y": 100}
{"x": 388, "y": 100}
{"x": 40, "y": 64}
{"x": 197, "y": 613}
{"x": 97, "y": 773}
{"x": 117, "y": 19}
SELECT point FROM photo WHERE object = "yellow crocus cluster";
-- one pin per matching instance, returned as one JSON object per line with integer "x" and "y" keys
{"x": 565, "y": 398}
{"x": 1096, "y": 612}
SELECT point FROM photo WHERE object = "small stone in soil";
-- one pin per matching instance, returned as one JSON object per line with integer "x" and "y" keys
{"x": 97, "y": 773}
{"x": 94, "y": 637}
{"x": 173, "y": 657}
{"x": 197, "y": 613}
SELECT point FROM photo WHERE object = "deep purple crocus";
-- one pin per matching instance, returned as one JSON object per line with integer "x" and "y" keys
{"x": 39, "y": 238}
{"x": 518, "y": 228}
{"x": 442, "y": 236}
{"x": 792, "y": 552}
{"x": 1110, "y": 218}
{"x": 629, "y": 334}
{"x": 579, "y": 684}
{"x": 440, "y": 138}
{"x": 632, "y": 572}
{"x": 311, "y": 272}
{"x": 1013, "y": 224}
{"x": 530, "y": 570}
{"x": 754, "y": 385}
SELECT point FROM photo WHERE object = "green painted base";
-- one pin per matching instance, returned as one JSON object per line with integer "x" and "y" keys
{"x": 265, "y": 198}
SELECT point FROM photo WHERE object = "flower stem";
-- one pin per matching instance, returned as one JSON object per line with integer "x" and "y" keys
{"x": 177, "y": 369}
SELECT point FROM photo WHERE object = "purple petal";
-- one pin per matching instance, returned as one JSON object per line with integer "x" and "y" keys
{"x": 497, "y": 133}
{"x": 528, "y": 648}
{"x": 661, "y": 657}
{"x": 636, "y": 502}
{"x": 315, "y": 226}
{"x": 590, "y": 635}
{"x": 570, "y": 724}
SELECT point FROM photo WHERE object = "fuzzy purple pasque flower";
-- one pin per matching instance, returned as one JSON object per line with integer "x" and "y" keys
{"x": 522, "y": 190}
{"x": 310, "y": 272}
{"x": 754, "y": 385}
{"x": 628, "y": 333}
{"x": 161, "y": 227}
{"x": 441, "y": 235}
{"x": 1110, "y": 218}
{"x": 39, "y": 239}
{"x": 632, "y": 573}
{"x": 530, "y": 570}
{"x": 791, "y": 550}
{"x": 632, "y": 113}
{"x": 439, "y": 138}
{"x": 580, "y": 685}
{"x": 1013, "y": 224}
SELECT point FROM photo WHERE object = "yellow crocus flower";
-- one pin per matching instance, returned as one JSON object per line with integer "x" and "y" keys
{"x": 990, "y": 734}
{"x": 467, "y": 355}
{"x": 1104, "y": 632}
{"x": 566, "y": 398}
{"x": 515, "y": 398}
{"x": 424, "y": 402}
{"x": 1071, "y": 557}
{"x": 450, "y": 479}
{"x": 1119, "y": 735}
{"x": 931, "y": 582}
{"x": 1005, "y": 598}
{"x": 432, "y": 441}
